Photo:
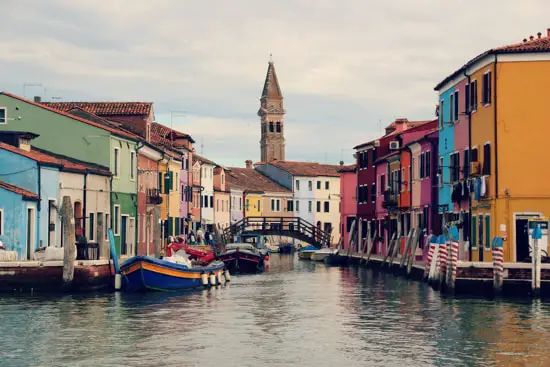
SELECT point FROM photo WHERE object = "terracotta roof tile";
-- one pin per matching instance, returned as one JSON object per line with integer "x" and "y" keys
{"x": 106, "y": 108}
{"x": 249, "y": 179}
{"x": 348, "y": 168}
{"x": 51, "y": 159}
{"x": 162, "y": 135}
{"x": 201, "y": 159}
{"x": 26, "y": 194}
{"x": 310, "y": 169}
{"x": 535, "y": 45}
{"x": 113, "y": 130}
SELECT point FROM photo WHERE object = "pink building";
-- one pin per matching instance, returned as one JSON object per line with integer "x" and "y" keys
{"x": 348, "y": 201}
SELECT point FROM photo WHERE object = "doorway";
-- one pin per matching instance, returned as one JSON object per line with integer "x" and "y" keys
{"x": 522, "y": 240}
{"x": 123, "y": 235}
{"x": 52, "y": 224}
{"x": 30, "y": 232}
{"x": 78, "y": 220}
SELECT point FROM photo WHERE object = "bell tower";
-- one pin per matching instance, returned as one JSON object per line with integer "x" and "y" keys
{"x": 271, "y": 114}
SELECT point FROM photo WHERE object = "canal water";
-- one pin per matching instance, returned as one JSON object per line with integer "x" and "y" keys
{"x": 297, "y": 313}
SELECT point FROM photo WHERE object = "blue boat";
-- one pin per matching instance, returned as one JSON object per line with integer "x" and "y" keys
{"x": 145, "y": 273}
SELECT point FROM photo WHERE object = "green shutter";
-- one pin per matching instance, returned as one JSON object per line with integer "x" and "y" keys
{"x": 177, "y": 226}
{"x": 160, "y": 182}
{"x": 487, "y": 232}
{"x": 166, "y": 183}
{"x": 474, "y": 232}
{"x": 172, "y": 180}
{"x": 170, "y": 226}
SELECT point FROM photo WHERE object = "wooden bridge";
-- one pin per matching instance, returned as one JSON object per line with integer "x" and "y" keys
{"x": 297, "y": 228}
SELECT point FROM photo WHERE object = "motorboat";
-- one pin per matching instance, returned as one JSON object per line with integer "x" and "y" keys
{"x": 306, "y": 252}
{"x": 244, "y": 258}
{"x": 321, "y": 254}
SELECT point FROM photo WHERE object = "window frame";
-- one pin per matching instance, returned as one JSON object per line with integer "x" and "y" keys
{"x": 487, "y": 232}
{"x": 310, "y": 206}
{"x": 117, "y": 220}
{"x": 486, "y": 167}
{"x": 318, "y": 206}
{"x": 327, "y": 185}
{"x": 107, "y": 217}
{"x": 116, "y": 162}
{"x": 132, "y": 164}
{"x": 486, "y": 89}
{"x": 92, "y": 226}
{"x": 5, "y": 122}
{"x": 326, "y": 207}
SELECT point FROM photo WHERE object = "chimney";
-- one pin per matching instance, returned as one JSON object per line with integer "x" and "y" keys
{"x": 24, "y": 143}
{"x": 248, "y": 164}
{"x": 539, "y": 34}
{"x": 531, "y": 37}
{"x": 37, "y": 99}
{"x": 548, "y": 32}
{"x": 341, "y": 163}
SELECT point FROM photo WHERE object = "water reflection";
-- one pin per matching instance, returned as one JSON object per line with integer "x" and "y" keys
{"x": 299, "y": 313}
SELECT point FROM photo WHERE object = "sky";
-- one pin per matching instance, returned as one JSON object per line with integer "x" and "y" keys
{"x": 346, "y": 68}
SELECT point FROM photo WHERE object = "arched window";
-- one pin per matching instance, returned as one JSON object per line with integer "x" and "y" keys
{"x": 270, "y": 126}
{"x": 278, "y": 126}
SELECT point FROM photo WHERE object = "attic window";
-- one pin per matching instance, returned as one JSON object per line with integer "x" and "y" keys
{"x": 278, "y": 126}
{"x": 270, "y": 126}
{"x": 3, "y": 115}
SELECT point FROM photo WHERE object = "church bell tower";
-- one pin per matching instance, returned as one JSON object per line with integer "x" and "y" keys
{"x": 271, "y": 114}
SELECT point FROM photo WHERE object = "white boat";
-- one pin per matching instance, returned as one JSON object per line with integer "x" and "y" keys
{"x": 320, "y": 255}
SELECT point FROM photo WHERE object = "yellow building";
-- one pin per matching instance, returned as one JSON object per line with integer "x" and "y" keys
{"x": 508, "y": 90}
{"x": 253, "y": 204}
{"x": 169, "y": 171}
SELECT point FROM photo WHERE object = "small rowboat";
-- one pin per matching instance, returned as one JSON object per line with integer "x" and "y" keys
{"x": 145, "y": 273}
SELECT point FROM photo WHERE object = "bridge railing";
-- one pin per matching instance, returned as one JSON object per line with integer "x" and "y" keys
{"x": 285, "y": 225}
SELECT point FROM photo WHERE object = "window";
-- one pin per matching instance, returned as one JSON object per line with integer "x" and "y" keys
{"x": 486, "y": 95}
{"x": 297, "y": 185}
{"x": 440, "y": 113}
{"x": 107, "y": 226}
{"x": 240, "y": 203}
{"x": 318, "y": 185}
{"x": 327, "y": 185}
{"x": 259, "y": 205}
{"x": 440, "y": 170}
{"x": 297, "y": 205}
{"x": 211, "y": 201}
{"x": 290, "y": 206}
{"x": 177, "y": 180}
{"x": 116, "y": 220}
{"x": 474, "y": 157}
{"x": 327, "y": 207}
{"x": 318, "y": 206}
{"x": 487, "y": 159}
{"x": 474, "y": 232}
{"x": 278, "y": 205}
{"x": 373, "y": 156}
{"x": 217, "y": 205}
{"x": 421, "y": 166}
{"x": 451, "y": 108}
{"x": 428, "y": 164}
{"x": 278, "y": 126}
{"x": 454, "y": 116}
{"x": 132, "y": 164}
{"x": 455, "y": 166}
{"x": 116, "y": 162}
{"x": 270, "y": 126}
{"x": 202, "y": 201}
{"x": 247, "y": 208}
{"x": 310, "y": 206}
{"x": 467, "y": 98}
{"x": 3, "y": 116}
{"x": 349, "y": 222}
{"x": 382, "y": 184}
{"x": 373, "y": 193}
{"x": 310, "y": 185}
{"x": 466, "y": 163}
{"x": 473, "y": 96}
{"x": 480, "y": 232}
{"x": 272, "y": 205}
{"x": 402, "y": 178}
{"x": 91, "y": 228}
{"x": 182, "y": 193}
{"x": 1, "y": 222}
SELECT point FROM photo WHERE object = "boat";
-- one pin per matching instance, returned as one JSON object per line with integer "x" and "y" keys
{"x": 306, "y": 252}
{"x": 146, "y": 273}
{"x": 273, "y": 249}
{"x": 244, "y": 258}
{"x": 286, "y": 248}
{"x": 321, "y": 254}
{"x": 335, "y": 259}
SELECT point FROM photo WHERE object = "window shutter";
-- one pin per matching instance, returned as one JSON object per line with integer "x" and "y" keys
{"x": 467, "y": 99}
{"x": 177, "y": 226}
{"x": 428, "y": 168}
{"x": 487, "y": 232}
{"x": 170, "y": 225}
{"x": 160, "y": 181}
{"x": 167, "y": 182}
{"x": 474, "y": 232}
{"x": 487, "y": 159}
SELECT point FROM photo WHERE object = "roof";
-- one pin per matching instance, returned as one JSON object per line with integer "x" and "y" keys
{"x": 17, "y": 190}
{"x": 106, "y": 108}
{"x": 62, "y": 162}
{"x": 422, "y": 138}
{"x": 410, "y": 126}
{"x": 271, "y": 90}
{"x": 310, "y": 169}
{"x": 541, "y": 44}
{"x": 387, "y": 156}
{"x": 349, "y": 168}
{"x": 116, "y": 131}
{"x": 163, "y": 135}
{"x": 201, "y": 159}
{"x": 249, "y": 179}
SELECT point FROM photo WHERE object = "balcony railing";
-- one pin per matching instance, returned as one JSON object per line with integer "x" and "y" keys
{"x": 390, "y": 200}
{"x": 154, "y": 197}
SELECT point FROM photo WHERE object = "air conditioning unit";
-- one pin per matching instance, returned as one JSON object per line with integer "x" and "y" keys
{"x": 475, "y": 168}
{"x": 377, "y": 143}
{"x": 394, "y": 145}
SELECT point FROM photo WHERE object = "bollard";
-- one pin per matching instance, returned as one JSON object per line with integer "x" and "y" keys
{"x": 498, "y": 265}
{"x": 118, "y": 282}
{"x": 453, "y": 265}
{"x": 443, "y": 262}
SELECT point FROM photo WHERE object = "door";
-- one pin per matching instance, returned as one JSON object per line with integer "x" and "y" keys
{"x": 123, "y": 235}
{"x": 522, "y": 240}
{"x": 30, "y": 232}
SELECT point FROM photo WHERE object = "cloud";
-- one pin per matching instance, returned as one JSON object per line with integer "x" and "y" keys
{"x": 343, "y": 66}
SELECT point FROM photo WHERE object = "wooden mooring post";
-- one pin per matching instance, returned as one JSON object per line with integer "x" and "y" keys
{"x": 389, "y": 250}
{"x": 69, "y": 240}
{"x": 535, "y": 262}
{"x": 405, "y": 255}
{"x": 372, "y": 243}
{"x": 416, "y": 239}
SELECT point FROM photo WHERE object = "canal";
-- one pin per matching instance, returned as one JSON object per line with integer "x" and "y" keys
{"x": 297, "y": 313}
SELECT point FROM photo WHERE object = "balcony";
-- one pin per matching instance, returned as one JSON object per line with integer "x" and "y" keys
{"x": 154, "y": 197}
{"x": 390, "y": 200}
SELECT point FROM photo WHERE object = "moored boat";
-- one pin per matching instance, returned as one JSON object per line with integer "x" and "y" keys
{"x": 145, "y": 273}
{"x": 306, "y": 252}
{"x": 243, "y": 258}
{"x": 321, "y": 254}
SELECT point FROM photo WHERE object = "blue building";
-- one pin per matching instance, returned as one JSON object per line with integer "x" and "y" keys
{"x": 18, "y": 218}
{"x": 446, "y": 148}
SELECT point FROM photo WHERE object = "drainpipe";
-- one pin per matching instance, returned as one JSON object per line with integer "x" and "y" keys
{"x": 39, "y": 204}
{"x": 84, "y": 190}
{"x": 469, "y": 112}
{"x": 496, "y": 133}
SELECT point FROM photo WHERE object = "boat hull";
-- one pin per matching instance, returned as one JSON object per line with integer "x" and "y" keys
{"x": 89, "y": 276}
{"x": 305, "y": 255}
{"x": 143, "y": 273}
{"x": 243, "y": 262}
{"x": 335, "y": 260}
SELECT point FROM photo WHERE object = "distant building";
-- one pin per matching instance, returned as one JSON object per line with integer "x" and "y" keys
{"x": 348, "y": 203}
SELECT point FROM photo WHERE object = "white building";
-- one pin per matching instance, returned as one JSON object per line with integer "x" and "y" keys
{"x": 207, "y": 193}
{"x": 316, "y": 189}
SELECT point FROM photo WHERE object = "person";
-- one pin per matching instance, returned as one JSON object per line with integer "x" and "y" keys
{"x": 200, "y": 235}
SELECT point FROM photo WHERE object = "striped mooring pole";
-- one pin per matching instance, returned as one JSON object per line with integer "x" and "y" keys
{"x": 498, "y": 265}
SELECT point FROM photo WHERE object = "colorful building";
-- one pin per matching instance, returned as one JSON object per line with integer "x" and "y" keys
{"x": 506, "y": 139}
{"x": 221, "y": 200}
{"x": 207, "y": 191}
{"x": 348, "y": 201}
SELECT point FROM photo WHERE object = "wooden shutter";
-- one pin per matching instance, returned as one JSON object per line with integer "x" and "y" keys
{"x": 160, "y": 182}
{"x": 474, "y": 232}
{"x": 487, "y": 232}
